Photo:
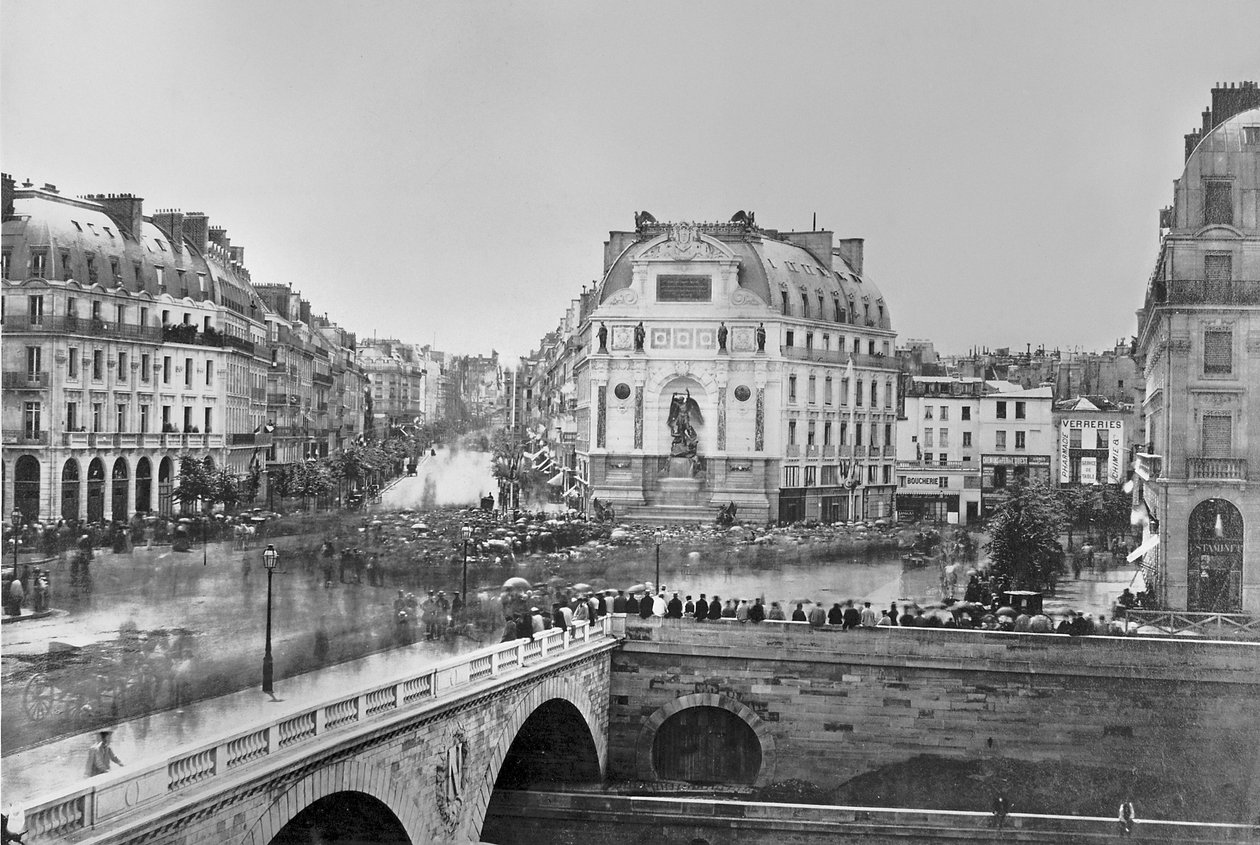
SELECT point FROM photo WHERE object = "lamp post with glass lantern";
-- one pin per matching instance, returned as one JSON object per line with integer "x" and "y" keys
{"x": 16, "y": 519}
{"x": 269, "y": 561}
{"x": 657, "y": 585}
{"x": 468, "y": 533}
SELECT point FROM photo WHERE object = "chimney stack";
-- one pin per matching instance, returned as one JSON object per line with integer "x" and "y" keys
{"x": 171, "y": 221}
{"x": 850, "y": 250}
{"x": 8, "y": 189}
{"x": 218, "y": 235}
{"x": 197, "y": 229}
{"x": 238, "y": 254}
{"x": 126, "y": 210}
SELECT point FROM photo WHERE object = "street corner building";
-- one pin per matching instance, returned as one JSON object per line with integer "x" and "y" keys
{"x": 133, "y": 340}
{"x": 1199, "y": 343}
{"x": 727, "y": 363}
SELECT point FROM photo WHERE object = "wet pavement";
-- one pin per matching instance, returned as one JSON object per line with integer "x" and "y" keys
{"x": 33, "y": 772}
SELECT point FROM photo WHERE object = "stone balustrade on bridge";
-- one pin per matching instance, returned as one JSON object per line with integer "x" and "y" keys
{"x": 244, "y": 786}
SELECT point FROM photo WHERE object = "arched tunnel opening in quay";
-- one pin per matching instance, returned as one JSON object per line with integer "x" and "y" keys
{"x": 344, "y": 818}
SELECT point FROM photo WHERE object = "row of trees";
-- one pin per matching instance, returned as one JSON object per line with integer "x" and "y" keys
{"x": 1024, "y": 530}
{"x": 356, "y": 465}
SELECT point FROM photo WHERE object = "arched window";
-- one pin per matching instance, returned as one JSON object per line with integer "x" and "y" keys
{"x": 96, "y": 491}
{"x": 26, "y": 487}
{"x": 144, "y": 485}
{"x": 118, "y": 490}
{"x": 70, "y": 490}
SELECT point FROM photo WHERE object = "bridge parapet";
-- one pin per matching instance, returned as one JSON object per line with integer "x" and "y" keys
{"x": 142, "y": 789}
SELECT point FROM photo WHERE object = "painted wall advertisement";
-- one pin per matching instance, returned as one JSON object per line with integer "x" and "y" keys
{"x": 1091, "y": 451}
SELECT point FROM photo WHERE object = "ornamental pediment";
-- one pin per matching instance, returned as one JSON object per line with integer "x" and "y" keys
{"x": 685, "y": 242}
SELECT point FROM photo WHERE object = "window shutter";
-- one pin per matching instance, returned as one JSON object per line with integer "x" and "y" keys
{"x": 1217, "y": 436}
{"x": 1218, "y": 347}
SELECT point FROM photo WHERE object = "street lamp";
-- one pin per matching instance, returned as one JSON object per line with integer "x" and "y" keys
{"x": 204, "y": 520}
{"x": 657, "y": 536}
{"x": 269, "y": 561}
{"x": 468, "y": 533}
{"x": 16, "y": 518}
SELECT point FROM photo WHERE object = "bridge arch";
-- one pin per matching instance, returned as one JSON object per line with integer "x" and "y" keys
{"x": 557, "y": 693}
{"x": 646, "y": 767}
{"x": 343, "y": 777}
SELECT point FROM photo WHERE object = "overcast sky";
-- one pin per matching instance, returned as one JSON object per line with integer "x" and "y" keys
{"x": 448, "y": 172}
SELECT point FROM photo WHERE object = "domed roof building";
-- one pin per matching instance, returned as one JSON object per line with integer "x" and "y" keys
{"x": 734, "y": 364}
{"x": 1197, "y": 342}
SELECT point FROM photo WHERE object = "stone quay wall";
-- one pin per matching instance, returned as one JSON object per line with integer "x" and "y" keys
{"x": 829, "y": 705}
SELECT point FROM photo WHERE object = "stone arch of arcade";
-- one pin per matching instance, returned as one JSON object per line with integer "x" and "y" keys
{"x": 645, "y": 746}
{"x": 1215, "y": 559}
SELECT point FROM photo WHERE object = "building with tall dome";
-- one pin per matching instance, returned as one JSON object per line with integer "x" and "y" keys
{"x": 1199, "y": 344}
{"x": 133, "y": 340}
{"x": 727, "y": 363}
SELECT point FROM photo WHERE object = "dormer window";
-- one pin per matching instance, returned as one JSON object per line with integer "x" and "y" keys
{"x": 93, "y": 228}
{"x": 1251, "y": 135}
{"x": 160, "y": 246}
{"x": 108, "y": 232}
{"x": 77, "y": 227}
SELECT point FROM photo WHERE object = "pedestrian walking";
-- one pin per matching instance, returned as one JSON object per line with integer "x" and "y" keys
{"x": 1000, "y": 809}
{"x": 1126, "y": 818}
{"x": 101, "y": 755}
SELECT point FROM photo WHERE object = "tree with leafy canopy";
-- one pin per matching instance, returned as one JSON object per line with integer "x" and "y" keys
{"x": 310, "y": 480}
{"x": 1024, "y": 536}
{"x": 195, "y": 484}
{"x": 225, "y": 488}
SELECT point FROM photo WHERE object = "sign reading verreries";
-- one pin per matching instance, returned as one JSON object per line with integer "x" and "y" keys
{"x": 684, "y": 288}
{"x": 1099, "y": 442}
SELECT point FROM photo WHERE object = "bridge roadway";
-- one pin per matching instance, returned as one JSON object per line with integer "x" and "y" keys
{"x": 427, "y": 744}
{"x": 429, "y": 747}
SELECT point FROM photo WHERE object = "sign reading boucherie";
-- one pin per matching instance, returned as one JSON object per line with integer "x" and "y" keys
{"x": 684, "y": 288}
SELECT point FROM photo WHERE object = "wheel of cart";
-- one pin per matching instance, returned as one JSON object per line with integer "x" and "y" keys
{"x": 40, "y": 697}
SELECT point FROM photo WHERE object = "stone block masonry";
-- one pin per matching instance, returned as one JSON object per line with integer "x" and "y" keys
{"x": 837, "y": 704}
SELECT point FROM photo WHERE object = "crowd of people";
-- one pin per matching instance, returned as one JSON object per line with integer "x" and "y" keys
{"x": 986, "y": 614}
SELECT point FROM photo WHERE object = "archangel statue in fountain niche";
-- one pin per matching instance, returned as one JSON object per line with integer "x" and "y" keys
{"x": 684, "y": 416}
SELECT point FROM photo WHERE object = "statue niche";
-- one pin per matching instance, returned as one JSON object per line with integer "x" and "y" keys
{"x": 684, "y": 416}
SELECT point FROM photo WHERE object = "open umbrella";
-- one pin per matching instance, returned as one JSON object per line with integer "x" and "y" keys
{"x": 517, "y": 583}
{"x": 582, "y": 588}
{"x": 1006, "y": 611}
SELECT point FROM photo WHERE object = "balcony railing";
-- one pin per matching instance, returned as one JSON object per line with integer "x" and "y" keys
{"x": 23, "y": 380}
{"x": 325, "y": 379}
{"x": 239, "y": 439}
{"x": 811, "y": 450}
{"x": 793, "y": 451}
{"x": 835, "y": 356}
{"x": 1216, "y": 469}
{"x": 829, "y": 451}
{"x": 64, "y": 324}
{"x": 23, "y": 437}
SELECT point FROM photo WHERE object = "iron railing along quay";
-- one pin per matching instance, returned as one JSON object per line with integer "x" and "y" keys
{"x": 108, "y": 798}
{"x": 1181, "y": 623}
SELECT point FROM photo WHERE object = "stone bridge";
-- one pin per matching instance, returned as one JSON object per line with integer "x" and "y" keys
{"x": 412, "y": 760}
{"x": 438, "y": 756}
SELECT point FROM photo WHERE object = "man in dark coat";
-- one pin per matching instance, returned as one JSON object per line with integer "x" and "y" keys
{"x": 835, "y": 616}
{"x": 715, "y": 608}
{"x": 689, "y": 608}
{"x": 757, "y": 613}
{"x": 674, "y": 610}
{"x": 619, "y": 603}
{"x": 645, "y": 607}
{"x": 702, "y": 608}
{"x": 852, "y": 616}
{"x": 631, "y": 606}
